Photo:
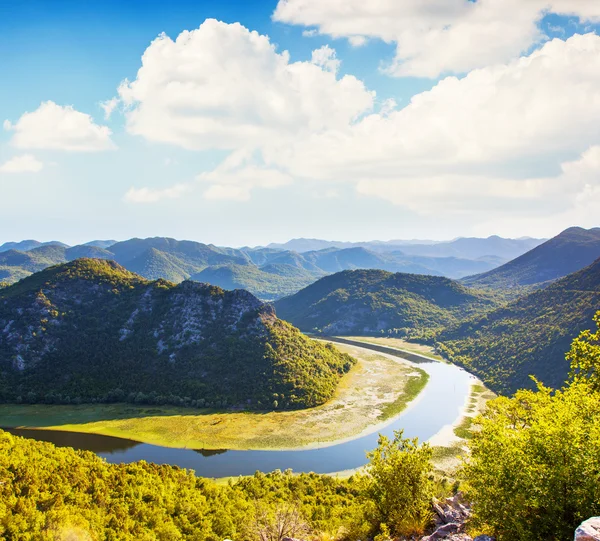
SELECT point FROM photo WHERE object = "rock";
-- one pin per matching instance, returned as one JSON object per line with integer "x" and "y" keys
{"x": 484, "y": 538}
{"x": 444, "y": 532}
{"x": 453, "y": 510}
{"x": 589, "y": 530}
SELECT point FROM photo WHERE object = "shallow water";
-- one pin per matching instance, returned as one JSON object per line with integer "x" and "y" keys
{"x": 438, "y": 405}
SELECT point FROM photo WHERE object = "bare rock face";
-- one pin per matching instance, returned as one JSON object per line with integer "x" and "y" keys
{"x": 589, "y": 530}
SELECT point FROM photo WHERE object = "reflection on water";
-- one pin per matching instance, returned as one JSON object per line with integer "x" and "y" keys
{"x": 89, "y": 442}
{"x": 210, "y": 452}
{"x": 438, "y": 405}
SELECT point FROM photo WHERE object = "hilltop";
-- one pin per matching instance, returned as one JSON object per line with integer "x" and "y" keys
{"x": 91, "y": 330}
{"x": 371, "y": 301}
{"x": 529, "y": 336}
{"x": 568, "y": 252}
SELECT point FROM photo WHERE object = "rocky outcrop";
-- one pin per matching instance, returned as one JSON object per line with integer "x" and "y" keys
{"x": 589, "y": 530}
{"x": 450, "y": 519}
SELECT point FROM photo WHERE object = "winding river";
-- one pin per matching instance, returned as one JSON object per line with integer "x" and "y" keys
{"x": 438, "y": 405}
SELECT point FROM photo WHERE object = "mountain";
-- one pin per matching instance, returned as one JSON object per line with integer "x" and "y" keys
{"x": 463, "y": 248}
{"x": 90, "y": 330}
{"x": 269, "y": 273}
{"x": 25, "y": 245}
{"x": 101, "y": 243}
{"x": 371, "y": 301}
{"x": 475, "y": 248}
{"x": 529, "y": 336}
{"x": 15, "y": 265}
{"x": 568, "y": 252}
{"x": 269, "y": 282}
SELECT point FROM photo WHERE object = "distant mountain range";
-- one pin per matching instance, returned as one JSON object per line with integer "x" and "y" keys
{"x": 530, "y": 336}
{"x": 90, "y": 330}
{"x": 270, "y": 273}
{"x": 372, "y": 301}
{"x": 570, "y": 251}
{"x": 462, "y": 248}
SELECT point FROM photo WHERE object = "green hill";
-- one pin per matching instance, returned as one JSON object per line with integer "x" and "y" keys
{"x": 270, "y": 282}
{"x": 90, "y": 330}
{"x": 528, "y": 336}
{"x": 572, "y": 250}
{"x": 371, "y": 301}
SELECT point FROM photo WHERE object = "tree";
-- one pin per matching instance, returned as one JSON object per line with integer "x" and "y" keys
{"x": 276, "y": 524}
{"x": 534, "y": 466}
{"x": 585, "y": 357}
{"x": 399, "y": 484}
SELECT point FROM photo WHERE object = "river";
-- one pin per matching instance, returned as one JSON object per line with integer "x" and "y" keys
{"x": 438, "y": 405}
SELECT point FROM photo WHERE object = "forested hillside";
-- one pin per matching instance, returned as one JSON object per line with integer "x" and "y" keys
{"x": 572, "y": 250}
{"x": 371, "y": 301}
{"x": 529, "y": 336}
{"x": 92, "y": 331}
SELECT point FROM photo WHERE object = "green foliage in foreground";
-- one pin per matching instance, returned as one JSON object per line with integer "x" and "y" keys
{"x": 91, "y": 331}
{"x": 49, "y": 493}
{"x": 534, "y": 466}
{"x": 399, "y": 485}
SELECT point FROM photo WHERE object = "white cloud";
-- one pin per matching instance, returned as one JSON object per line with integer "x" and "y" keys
{"x": 150, "y": 195}
{"x": 326, "y": 58}
{"x": 538, "y": 109}
{"x": 238, "y": 175}
{"x": 437, "y": 36}
{"x": 109, "y": 107}
{"x": 25, "y": 163}
{"x": 56, "y": 127}
{"x": 223, "y": 86}
{"x": 357, "y": 41}
{"x": 495, "y": 143}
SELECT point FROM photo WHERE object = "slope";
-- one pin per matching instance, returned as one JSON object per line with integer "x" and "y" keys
{"x": 528, "y": 336}
{"x": 371, "y": 301}
{"x": 90, "y": 330}
{"x": 568, "y": 252}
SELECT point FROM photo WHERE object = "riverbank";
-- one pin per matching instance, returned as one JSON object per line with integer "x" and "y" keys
{"x": 375, "y": 392}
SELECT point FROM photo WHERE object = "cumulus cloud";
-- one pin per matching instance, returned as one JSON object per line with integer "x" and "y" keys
{"x": 25, "y": 163}
{"x": 437, "y": 36}
{"x": 540, "y": 108}
{"x": 223, "y": 86}
{"x": 56, "y": 127}
{"x": 238, "y": 175}
{"x": 500, "y": 141}
{"x": 326, "y": 58}
{"x": 150, "y": 195}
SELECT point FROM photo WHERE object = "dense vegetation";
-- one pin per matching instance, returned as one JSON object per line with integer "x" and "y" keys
{"x": 527, "y": 337}
{"x": 50, "y": 493}
{"x": 568, "y": 252}
{"x": 534, "y": 464}
{"x": 91, "y": 331}
{"x": 371, "y": 301}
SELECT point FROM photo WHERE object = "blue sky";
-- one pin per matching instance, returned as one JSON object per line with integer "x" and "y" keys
{"x": 315, "y": 146}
